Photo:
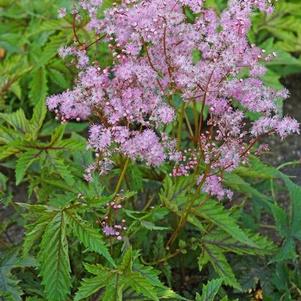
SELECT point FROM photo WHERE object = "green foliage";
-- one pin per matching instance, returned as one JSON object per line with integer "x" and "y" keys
{"x": 283, "y": 25}
{"x": 30, "y": 38}
{"x": 210, "y": 290}
{"x": 90, "y": 237}
{"x": 9, "y": 285}
{"x": 54, "y": 259}
{"x": 127, "y": 280}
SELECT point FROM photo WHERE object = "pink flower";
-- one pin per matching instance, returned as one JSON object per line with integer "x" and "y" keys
{"x": 214, "y": 187}
{"x": 161, "y": 60}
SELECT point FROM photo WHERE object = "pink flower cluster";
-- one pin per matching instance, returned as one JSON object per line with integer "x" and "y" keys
{"x": 153, "y": 45}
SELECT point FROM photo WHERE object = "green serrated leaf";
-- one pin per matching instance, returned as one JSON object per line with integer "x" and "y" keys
{"x": 57, "y": 135}
{"x": 90, "y": 237}
{"x": 54, "y": 259}
{"x": 89, "y": 286}
{"x": 63, "y": 170}
{"x": 38, "y": 86}
{"x": 10, "y": 149}
{"x": 210, "y": 290}
{"x": 17, "y": 120}
{"x": 58, "y": 78}
{"x": 215, "y": 213}
{"x": 34, "y": 232}
{"x": 39, "y": 114}
{"x": 23, "y": 163}
{"x": 141, "y": 285}
{"x": 220, "y": 264}
{"x": 127, "y": 261}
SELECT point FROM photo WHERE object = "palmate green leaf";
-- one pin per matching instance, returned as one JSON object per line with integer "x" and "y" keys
{"x": 47, "y": 25}
{"x": 174, "y": 194}
{"x": 210, "y": 290}
{"x": 17, "y": 120}
{"x": 8, "y": 135}
{"x": 35, "y": 231}
{"x": 151, "y": 275}
{"x": 218, "y": 260}
{"x": 114, "y": 290}
{"x": 140, "y": 285}
{"x": 38, "y": 86}
{"x": 215, "y": 213}
{"x": 23, "y": 163}
{"x": 90, "y": 237}
{"x": 114, "y": 284}
{"x": 54, "y": 259}
{"x": 63, "y": 170}
{"x": 126, "y": 278}
{"x": 51, "y": 48}
{"x": 58, "y": 78}
{"x": 89, "y": 286}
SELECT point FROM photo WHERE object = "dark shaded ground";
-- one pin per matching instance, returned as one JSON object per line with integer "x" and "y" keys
{"x": 289, "y": 149}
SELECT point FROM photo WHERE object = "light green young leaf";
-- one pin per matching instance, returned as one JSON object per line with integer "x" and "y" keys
{"x": 17, "y": 120}
{"x": 8, "y": 135}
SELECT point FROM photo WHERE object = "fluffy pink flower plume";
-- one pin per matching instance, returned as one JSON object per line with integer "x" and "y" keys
{"x": 153, "y": 45}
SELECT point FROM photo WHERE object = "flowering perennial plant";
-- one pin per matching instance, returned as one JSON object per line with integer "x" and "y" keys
{"x": 162, "y": 49}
